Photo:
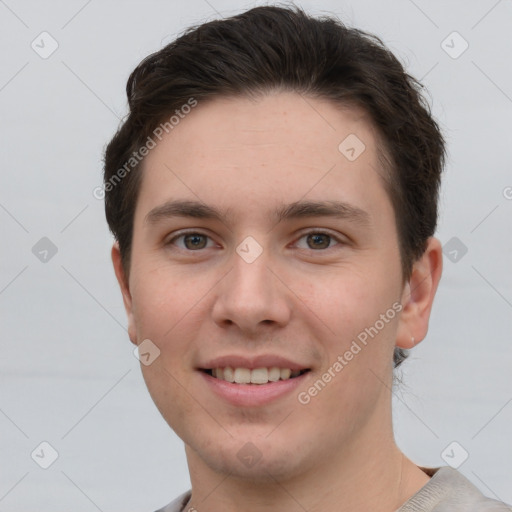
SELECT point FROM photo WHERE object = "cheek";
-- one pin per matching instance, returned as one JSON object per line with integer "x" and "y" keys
{"x": 346, "y": 300}
{"x": 358, "y": 354}
{"x": 161, "y": 301}
{"x": 168, "y": 390}
{"x": 167, "y": 313}
{"x": 354, "y": 310}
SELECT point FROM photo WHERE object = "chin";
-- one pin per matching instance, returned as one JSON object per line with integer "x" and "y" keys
{"x": 257, "y": 458}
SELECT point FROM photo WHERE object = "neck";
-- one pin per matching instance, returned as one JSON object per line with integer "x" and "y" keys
{"x": 373, "y": 474}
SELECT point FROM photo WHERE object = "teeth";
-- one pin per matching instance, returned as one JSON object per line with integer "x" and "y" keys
{"x": 274, "y": 374}
{"x": 256, "y": 376}
{"x": 285, "y": 373}
{"x": 229, "y": 374}
{"x": 242, "y": 375}
{"x": 259, "y": 376}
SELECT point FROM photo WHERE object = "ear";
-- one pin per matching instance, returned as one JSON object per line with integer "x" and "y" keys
{"x": 125, "y": 290}
{"x": 418, "y": 296}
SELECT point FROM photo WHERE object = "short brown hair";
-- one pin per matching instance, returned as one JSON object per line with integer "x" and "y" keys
{"x": 276, "y": 48}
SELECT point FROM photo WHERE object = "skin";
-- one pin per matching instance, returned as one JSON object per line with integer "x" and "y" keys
{"x": 337, "y": 453}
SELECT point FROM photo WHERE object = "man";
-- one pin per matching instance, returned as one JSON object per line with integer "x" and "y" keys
{"x": 273, "y": 195}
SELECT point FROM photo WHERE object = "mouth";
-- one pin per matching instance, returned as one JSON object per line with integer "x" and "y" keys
{"x": 256, "y": 376}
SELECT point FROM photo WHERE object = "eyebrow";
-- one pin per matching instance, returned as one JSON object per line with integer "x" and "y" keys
{"x": 295, "y": 210}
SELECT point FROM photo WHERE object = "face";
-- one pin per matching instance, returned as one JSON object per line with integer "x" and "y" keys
{"x": 264, "y": 248}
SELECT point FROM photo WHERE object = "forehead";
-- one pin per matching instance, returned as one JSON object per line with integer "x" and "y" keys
{"x": 261, "y": 151}
{"x": 285, "y": 123}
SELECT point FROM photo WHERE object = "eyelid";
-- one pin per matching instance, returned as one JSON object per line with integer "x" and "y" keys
{"x": 301, "y": 234}
{"x": 185, "y": 232}
{"x": 321, "y": 231}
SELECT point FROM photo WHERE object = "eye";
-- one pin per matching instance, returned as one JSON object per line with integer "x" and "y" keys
{"x": 192, "y": 241}
{"x": 195, "y": 241}
{"x": 317, "y": 240}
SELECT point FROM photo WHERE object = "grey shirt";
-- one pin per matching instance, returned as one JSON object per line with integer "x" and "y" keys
{"x": 446, "y": 491}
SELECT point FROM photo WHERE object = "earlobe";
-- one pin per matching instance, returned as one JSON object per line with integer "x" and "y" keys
{"x": 418, "y": 296}
{"x": 125, "y": 290}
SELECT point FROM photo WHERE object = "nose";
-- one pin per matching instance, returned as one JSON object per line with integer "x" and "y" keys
{"x": 252, "y": 296}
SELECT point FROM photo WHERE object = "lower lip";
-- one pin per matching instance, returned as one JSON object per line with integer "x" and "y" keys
{"x": 252, "y": 395}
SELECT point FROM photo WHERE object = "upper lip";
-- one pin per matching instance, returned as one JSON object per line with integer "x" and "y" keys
{"x": 262, "y": 361}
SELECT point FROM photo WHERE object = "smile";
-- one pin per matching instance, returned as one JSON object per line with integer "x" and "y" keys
{"x": 253, "y": 387}
{"x": 254, "y": 376}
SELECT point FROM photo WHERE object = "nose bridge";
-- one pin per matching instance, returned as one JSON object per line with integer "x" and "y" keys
{"x": 250, "y": 294}
{"x": 250, "y": 277}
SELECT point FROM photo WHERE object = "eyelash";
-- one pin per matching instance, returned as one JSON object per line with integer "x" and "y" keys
{"x": 304, "y": 234}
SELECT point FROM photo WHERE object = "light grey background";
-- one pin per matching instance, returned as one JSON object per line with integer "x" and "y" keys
{"x": 67, "y": 372}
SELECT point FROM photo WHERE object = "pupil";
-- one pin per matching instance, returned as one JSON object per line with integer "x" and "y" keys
{"x": 318, "y": 238}
{"x": 195, "y": 241}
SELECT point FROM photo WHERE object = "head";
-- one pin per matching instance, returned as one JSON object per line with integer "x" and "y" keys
{"x": 247, "y": 116}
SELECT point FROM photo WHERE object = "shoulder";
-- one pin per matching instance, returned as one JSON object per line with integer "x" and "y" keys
{"x": 450, "y": 491}
{"x": 446, "y": 491}
{"x": 178, "y": 504}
